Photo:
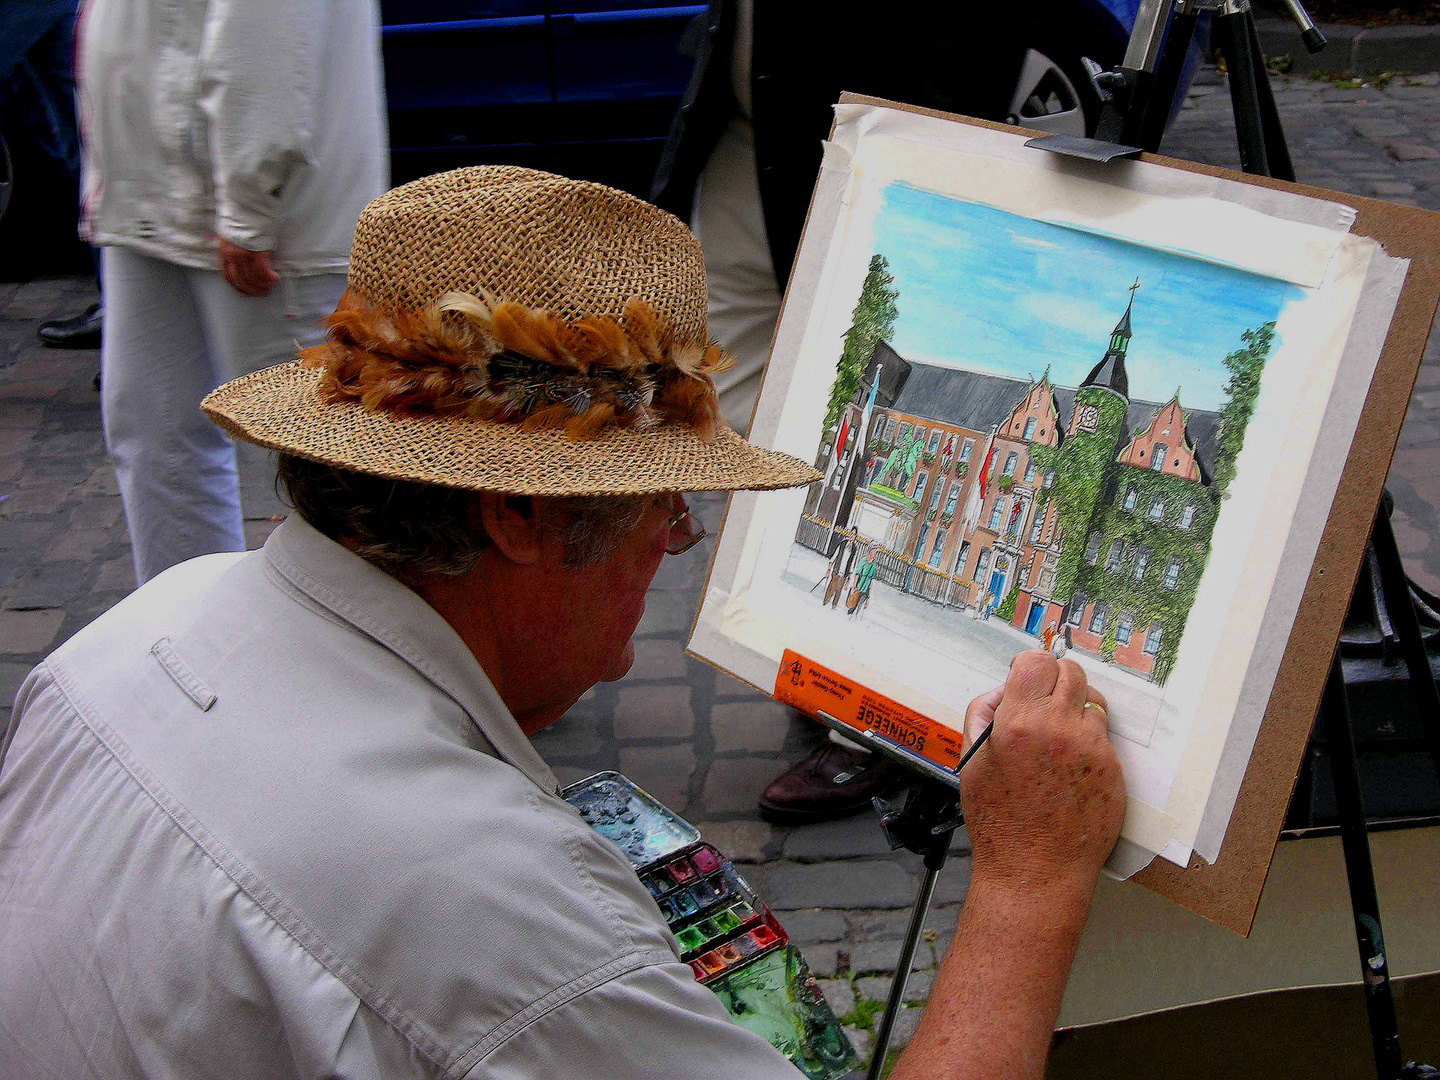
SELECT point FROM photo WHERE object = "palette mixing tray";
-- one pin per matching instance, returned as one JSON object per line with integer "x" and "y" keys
{"x": 730, "y": 939}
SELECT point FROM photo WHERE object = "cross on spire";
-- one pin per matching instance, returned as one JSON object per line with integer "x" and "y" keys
{"x": 1134, "y": 287}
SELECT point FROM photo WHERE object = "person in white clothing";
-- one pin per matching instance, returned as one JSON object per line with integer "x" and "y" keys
{"x": 228, "y": 150}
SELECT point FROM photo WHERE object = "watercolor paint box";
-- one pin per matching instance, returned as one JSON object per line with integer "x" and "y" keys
{"x": 729, "y": 937}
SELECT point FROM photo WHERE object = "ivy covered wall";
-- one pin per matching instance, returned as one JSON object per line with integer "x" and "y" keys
{"x": 1082, "y": 465}
{"x": 1148, "y": 599}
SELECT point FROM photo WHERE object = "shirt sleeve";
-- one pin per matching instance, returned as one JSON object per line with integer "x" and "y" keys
{"x": 258, "y": 73}
{"x": 653, "y": 1023}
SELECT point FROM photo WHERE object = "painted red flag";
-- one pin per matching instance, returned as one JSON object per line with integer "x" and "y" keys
{"x": 840, "y": 438}
{"x": 985, "y": 471}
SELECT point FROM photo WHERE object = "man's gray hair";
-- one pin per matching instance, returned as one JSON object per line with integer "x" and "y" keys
{"x": 413, "y": 530}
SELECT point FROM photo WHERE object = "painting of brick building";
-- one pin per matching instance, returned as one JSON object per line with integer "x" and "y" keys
{"x": 1081, "y": 511}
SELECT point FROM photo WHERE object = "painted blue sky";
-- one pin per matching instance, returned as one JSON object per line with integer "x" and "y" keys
{"x": 991, "y": 291}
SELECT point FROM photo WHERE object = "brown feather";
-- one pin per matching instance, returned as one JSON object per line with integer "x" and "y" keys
{"x": 602, "y": 343}
{"x": 552, "y": 416}
{"x": 591, "y": 422}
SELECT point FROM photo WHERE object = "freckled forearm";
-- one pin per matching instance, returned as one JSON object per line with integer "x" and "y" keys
{"x": 994, "y": 1004}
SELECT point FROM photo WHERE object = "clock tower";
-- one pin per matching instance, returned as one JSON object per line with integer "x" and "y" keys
{"x": 1110, "y": 371}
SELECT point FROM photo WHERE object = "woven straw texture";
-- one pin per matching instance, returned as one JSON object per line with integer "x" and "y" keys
{"x": 575, "y": 248}
{"x": 279, "y": 408}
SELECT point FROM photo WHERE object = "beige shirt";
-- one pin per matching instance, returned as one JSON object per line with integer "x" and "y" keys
{"x": 268, "y": 817}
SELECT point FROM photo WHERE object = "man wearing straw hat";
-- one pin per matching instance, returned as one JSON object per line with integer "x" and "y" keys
{"x": 277, "y": 814}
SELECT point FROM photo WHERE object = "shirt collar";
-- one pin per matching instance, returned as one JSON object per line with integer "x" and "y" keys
{"x": 396, "y": 617}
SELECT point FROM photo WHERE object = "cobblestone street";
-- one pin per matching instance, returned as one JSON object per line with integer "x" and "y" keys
{"x": 699, "y": 740}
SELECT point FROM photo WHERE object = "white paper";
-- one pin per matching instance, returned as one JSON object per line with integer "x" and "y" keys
{"x": 1183, "y": 766}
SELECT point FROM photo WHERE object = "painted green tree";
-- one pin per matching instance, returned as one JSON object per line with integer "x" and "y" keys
{"x": 871, "y": 323}
{"x": 1242, "y": 388}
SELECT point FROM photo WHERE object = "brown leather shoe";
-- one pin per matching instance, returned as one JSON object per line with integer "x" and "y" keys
{"x": 833, "y": 782}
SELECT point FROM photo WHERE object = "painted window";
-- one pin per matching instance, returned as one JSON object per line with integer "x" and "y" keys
{"x": 904, "y": 429}
{"x": 1172, "y": 572}
{"x": 1077, "y": 608}
{"x": 934, "y": 441}
{"x": 1152, "y": 639}
{"x": 935, "y": 496}
{"x": 1157, "y": 509}
{"x": 1130, "y": 496}
{"x": 1142, "y": 560}
{"x": 1092, "y": 548}
{"x": 937, "y": 548}
{"x": 890, "y": 430}
{"x": 965, "y": 450}
{"x": 1035, "y": 527}
{"x": 962, "y": 557}
{"x": 1097, "y": 620}
{"x": 1157, "y": 456}
{"x": 920, "y": 435}
{"x": 1117, "y": 552}
{"x": 919, "y": 491}
{"x": 1017, "y": 515}
{"x": 1010, "y": 461}
{"x": 1123, "y": 628}
{"x": 995, "y": 513}
{"x": 1029, "y": 429}
{"x": 875, "y": 469}
{"x": 1187, "y": 516}
{"x": 920, "y": 542}
{"x": 1029, "y": 472}
{"x": 953, "y": 497}
{"x": 982, "y": 564}
{"x": 1049, "y": 477}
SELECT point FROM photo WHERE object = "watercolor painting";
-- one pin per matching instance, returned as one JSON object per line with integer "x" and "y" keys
{"x": 1030, "y": 439}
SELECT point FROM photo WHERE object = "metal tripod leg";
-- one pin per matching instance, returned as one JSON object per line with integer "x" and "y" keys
{"x": 1360, "y": 871}
{"x": 1401, "y": 609}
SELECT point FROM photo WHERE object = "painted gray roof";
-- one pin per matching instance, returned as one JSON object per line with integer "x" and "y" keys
{"x": 979, "y": 401}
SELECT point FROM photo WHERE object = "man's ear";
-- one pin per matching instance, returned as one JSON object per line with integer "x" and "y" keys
{"x": 511, "y": 524}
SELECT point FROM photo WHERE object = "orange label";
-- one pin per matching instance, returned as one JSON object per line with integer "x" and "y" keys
{"x": 813, "y": 689}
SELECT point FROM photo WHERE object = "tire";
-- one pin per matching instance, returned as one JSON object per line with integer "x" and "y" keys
{"x": 1054, "y": 92}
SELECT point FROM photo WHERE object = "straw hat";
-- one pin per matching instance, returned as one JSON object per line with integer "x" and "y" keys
{"x": 509, "y": 330}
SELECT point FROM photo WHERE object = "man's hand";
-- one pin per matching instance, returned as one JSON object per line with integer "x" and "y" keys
{"x": 1044, "y": 800}
{"x": 249, "y": 273}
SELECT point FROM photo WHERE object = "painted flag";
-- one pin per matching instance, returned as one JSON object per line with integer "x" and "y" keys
{"x": 869, "y": 407}
{"x": 985, "y": 469}
{"x": 840, "y": 438}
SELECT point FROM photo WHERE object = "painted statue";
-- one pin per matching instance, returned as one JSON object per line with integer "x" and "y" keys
{"x": 904, "y": 458}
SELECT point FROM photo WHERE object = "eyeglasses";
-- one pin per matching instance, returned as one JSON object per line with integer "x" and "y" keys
{"x": 685, "y": 531}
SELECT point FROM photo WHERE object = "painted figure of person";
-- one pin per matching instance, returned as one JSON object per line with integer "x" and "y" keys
{"x": 1061, "y": 644}
{"x": 842, "y": 563}
{"x": 865, "y": 577}
{"x": 1049, "y": 635}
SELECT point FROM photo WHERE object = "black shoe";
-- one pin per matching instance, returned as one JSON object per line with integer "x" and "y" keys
{"x": 833, "y": 782}
{"x": 78, "y": 332}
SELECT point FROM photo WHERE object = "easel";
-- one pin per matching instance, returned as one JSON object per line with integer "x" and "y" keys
{"x": 1137, "y": 101}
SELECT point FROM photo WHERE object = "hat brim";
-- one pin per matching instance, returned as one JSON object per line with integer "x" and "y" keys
{"x": 280, "y": 408}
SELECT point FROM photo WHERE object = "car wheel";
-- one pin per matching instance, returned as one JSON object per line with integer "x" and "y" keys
{"x": 1048, "y": 97}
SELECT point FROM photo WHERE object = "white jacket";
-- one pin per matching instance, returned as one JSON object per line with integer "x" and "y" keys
{"x": 261, "y": 121}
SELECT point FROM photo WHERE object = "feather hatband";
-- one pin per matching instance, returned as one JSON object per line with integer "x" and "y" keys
{"x": 486, "y": 359}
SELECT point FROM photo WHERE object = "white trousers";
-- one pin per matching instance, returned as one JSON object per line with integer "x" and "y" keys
{"x": 744, "y": 300}
{"x": 173, "y": 334}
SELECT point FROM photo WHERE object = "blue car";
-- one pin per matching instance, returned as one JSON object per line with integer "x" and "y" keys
{"x": 588, "y": 87}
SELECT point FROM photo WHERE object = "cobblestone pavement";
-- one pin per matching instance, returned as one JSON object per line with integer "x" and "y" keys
{"x": 698, "y": 739}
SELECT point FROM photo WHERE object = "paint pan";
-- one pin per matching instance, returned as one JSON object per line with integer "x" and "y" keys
{"x": 630, "y": 818}
{"x": 690, "y": 939}
{"x": 706, "y": 859}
